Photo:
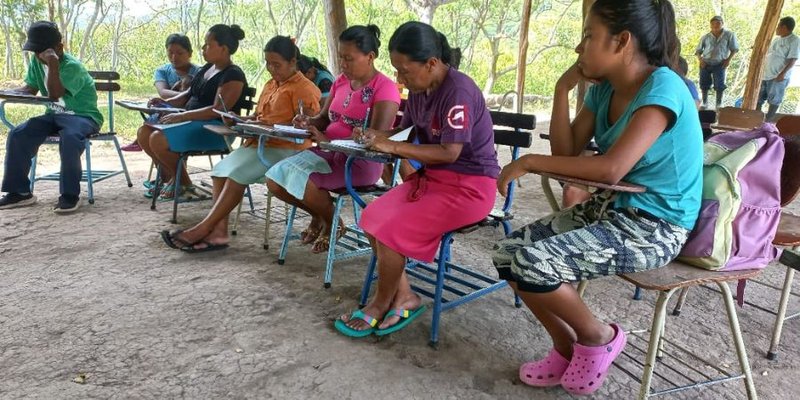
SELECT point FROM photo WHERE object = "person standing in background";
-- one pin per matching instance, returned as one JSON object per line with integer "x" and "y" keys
{"x": 782, "y": 55}
{"x": 714, "y": 54}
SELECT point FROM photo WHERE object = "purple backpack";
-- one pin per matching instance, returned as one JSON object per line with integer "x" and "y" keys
{"x": 741, "y": 204}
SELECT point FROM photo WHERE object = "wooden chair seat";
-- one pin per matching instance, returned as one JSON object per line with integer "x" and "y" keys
{"x": 788, "y": 233}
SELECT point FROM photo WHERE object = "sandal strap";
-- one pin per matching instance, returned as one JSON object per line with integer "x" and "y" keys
{"x": 358, "y": 314}
{"x": 398, "y": 312}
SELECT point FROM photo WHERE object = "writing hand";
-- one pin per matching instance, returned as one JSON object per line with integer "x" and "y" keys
{"x": 377, "y": 142}
{"x": 301, "y": 121}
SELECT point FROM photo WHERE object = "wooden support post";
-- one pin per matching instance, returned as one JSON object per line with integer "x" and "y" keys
{"x": 583, "y": 87}
{"x": 335, "y": 24}
{"x": 522, "y": 58}
{"x": 760, "y": 47}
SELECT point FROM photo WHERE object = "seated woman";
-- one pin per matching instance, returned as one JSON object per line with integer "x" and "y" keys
{"x": 456, "y": 186}
{"x": 278, "y": 104}
{"x": 174, "y": 77}
{"x": 218, "y": 85}
{"x": 645, "y": 123}
{"x": 317, "y": 73}
{"x": 305, "y": 179}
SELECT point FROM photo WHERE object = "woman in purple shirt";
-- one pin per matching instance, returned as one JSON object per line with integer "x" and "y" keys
{"x": 455, "y": 187}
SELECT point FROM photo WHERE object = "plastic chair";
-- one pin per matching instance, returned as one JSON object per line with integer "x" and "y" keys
{"x": 465, "y": 284}
{"x": 104, "y": 82}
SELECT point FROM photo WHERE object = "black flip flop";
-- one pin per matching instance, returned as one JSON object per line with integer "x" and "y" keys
{"x": 209, "y": 247}
{"x": 169, "y": 238}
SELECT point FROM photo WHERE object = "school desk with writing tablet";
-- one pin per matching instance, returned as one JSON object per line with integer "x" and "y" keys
{"x": 275, "y": 131}
{"x": 23, "y": 98}
{"x": 619, "y": 187}
{"x": 142, "y": 107}
{"x": 344, "y": 146}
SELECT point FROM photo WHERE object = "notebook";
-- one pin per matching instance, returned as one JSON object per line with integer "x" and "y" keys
{"x": 401, "y": 136}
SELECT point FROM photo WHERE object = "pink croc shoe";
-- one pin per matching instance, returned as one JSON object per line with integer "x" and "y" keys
{"x": 545, "y": 372}
{"x": 589, "y": 365}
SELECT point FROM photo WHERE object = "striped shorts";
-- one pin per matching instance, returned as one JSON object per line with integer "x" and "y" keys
{"x": 585, "y": 242}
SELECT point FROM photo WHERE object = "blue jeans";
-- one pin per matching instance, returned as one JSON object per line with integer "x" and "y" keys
{"x": 772, "y": 92}
{"x": 712, "y": 74}
{"x": 24, "y": 141}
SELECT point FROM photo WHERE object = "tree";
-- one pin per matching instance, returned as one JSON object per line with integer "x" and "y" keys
{"x": 426, "y": 8}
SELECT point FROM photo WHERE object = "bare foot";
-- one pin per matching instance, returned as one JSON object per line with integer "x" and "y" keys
{"x": 212, "y": 240}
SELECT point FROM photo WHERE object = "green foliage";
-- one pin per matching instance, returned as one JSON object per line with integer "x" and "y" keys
{"x": 134, "y": 45}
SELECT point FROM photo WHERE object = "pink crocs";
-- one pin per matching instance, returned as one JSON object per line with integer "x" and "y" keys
{"x": 545, "y": 372}
{"x": 589, "y": 365}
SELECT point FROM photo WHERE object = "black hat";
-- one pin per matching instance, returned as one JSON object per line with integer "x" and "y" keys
{"x": 716, "y": 18}
{"x": 42, "y": 35}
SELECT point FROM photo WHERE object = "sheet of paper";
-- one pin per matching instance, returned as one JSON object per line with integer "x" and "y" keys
{"x": 403, "y": 135}
{"x": 290, "y": 129}
{"x": 348, "y": 143}
{"x": 161, "y": 127}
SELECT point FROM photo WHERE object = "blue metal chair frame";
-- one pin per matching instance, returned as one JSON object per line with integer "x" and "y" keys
{"x": 354, "y": 243}
{"x": 88, "y": 175}
{"x": 446, "y": 276}
{"x": 250, "y": 93}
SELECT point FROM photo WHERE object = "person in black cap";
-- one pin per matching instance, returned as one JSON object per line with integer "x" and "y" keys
{"x": 714, "y": 54}
{"x": 72, "y": 115}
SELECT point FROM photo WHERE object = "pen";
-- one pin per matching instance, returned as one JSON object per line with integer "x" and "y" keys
{"x": 366, "y": 120}
{"x": 300, "y": 106}
{"x": 364, "y": 126}
{"x": 222, "y": 101}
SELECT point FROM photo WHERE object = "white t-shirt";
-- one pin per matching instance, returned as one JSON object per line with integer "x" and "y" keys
{"x": 782, "y": 49}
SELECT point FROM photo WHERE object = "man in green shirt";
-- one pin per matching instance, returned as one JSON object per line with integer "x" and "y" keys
{"x": 72, "y": 115}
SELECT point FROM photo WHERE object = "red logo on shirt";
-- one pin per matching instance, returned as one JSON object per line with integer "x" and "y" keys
{"x": 457, "y": 117}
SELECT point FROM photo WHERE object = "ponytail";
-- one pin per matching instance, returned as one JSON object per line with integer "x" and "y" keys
{"x": 669, "y": 36}
{"x": 420, "y": 42}
{"x": 446, "y": 51}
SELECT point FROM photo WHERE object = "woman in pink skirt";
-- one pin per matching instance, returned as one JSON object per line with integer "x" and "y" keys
{"x": 304, "y": 180}
{"x": 455, "y": 187}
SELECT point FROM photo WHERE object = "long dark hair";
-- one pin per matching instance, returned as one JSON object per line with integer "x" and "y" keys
{"x": 180, "y": 40}
{"x": 419, "y": 41}
{"x": 228, "y": 36}
{"x": 366, "y": 38}
{"x": 651, "y": 22}
{"x": 305, "y": 63}
{"x": 284, "y": 46}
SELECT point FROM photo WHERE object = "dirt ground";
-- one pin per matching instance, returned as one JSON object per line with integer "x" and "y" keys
{"x": 96, "y": 297}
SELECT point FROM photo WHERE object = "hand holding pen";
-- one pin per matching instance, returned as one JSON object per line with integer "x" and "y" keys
{"x": 301, "y": 120}
{"x": 358, "y": 134}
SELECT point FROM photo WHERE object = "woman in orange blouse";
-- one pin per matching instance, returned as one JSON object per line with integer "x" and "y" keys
{"x": 278, "y": 104}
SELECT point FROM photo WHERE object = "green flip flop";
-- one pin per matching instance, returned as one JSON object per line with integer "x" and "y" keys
{"x": 342, "y": 327}
{"x": 406, "y": 317}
